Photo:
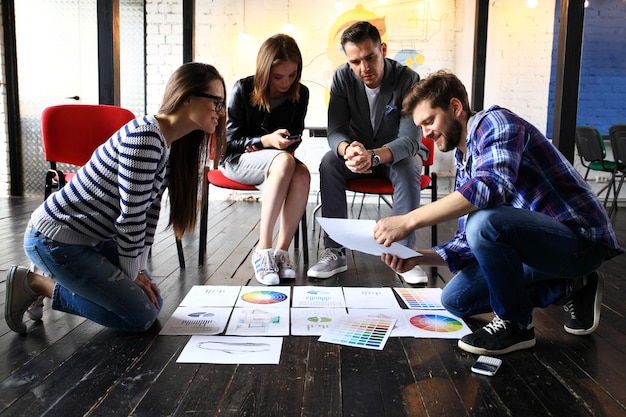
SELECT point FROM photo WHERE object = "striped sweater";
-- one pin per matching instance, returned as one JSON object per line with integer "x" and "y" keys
{"x": 116, "y": 195}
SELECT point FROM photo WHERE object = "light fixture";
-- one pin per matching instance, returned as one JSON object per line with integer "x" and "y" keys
{"x": 586, "y": 3}
{"x": 243, "y": 36}
{"x": 287, "y": 26}
{"x": 531, "y": 4}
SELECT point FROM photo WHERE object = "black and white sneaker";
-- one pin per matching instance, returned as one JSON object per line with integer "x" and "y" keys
{"x": 584, "y": 307}
{"x": 498, "y": 337}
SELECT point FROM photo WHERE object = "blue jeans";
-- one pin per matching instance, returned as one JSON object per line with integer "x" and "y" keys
{"x": 523, "y": 259}
{"x": 89, "y": 283}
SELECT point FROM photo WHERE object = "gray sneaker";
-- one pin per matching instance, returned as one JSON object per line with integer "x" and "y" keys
{"x": 331, "y": 261}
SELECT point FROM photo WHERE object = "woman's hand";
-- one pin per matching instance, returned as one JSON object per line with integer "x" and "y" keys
{"x": 149, "y": 287}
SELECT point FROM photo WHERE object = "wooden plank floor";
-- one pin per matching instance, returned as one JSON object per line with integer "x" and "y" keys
{"x": 68, "y": 366}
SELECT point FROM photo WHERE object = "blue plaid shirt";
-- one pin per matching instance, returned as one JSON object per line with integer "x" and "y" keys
{"x": 509, "y": 162}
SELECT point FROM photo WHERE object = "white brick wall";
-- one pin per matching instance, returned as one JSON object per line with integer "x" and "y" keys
{"x": 518, "y": 60}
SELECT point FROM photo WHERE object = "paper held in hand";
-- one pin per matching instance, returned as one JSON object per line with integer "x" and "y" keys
{"x": 356, "y": 234}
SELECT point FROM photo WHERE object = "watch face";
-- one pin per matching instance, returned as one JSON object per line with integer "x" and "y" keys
{"x": 375, "y": 160}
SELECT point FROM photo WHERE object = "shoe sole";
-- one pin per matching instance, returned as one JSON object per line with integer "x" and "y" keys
{"x": 9, "y": 301}
{"x": 316, "y": 274}
{"x": 597, "y": 306}
{"x": 420, "y": 280}
{"x": 527, "y": 344}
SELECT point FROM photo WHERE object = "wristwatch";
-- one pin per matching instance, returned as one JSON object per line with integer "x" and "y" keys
{"x": 375, "y": 158}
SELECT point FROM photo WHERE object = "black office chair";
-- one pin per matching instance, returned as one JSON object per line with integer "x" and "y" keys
{"x": 592, "y": 152}
{"x": 617, "y": 135}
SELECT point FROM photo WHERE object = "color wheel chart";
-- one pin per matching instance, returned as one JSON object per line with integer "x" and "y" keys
{"x": 438, "y": 325}
{"x": 264, "y": 297}
{"x": 363, "y": 332}
{"x": 421, "y": 298}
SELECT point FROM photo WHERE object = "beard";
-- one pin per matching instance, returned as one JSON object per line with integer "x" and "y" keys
{"x": 451, "y": 136}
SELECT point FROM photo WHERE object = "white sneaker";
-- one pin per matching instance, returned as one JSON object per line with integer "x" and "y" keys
{"x": 265, "y": 269}
{"x": 415, "y": 276}
{"x": 332, "y": 261}
{"x": 286, "y": 270}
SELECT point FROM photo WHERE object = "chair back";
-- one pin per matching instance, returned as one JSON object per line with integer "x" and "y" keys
{"x": 590, "y": 144}
{"x": 617, "y": 135}
{"x": 71, "y": 132}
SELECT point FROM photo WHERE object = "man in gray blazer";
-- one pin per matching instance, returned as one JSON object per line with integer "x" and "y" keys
{"x": 368, "y": 137}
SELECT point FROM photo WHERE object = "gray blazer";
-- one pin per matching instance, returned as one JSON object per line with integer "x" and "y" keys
{"x": 349, "y": 115}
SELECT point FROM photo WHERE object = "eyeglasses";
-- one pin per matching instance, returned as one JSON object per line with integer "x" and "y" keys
{"x": 220, "y": 105}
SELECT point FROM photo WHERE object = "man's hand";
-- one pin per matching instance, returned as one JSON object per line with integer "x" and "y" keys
{"x": 391, "y": 229}
{"x": 358, "y": 159}
{"x": 399, "y": 265}
{"x": 149, "y": 287}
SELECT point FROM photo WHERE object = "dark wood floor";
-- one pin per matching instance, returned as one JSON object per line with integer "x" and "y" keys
{"x": 68, "y": 366}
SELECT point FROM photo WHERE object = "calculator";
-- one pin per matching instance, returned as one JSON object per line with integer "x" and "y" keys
{"x": 486, "y": 365}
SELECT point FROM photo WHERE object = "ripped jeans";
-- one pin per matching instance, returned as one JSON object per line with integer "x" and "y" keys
{"x": 89, "y": 283}
{"x": 524, "y": 259}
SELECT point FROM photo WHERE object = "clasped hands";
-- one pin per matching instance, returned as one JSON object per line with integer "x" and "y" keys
{"x": 357, "y": 158}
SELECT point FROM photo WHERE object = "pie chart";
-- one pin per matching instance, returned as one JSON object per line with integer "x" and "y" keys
{"x": 436, "y": 323}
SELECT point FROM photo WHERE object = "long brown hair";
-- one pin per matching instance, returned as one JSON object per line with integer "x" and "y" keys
{"x": 275, "y": 50}
{"x": 188, "y": 155}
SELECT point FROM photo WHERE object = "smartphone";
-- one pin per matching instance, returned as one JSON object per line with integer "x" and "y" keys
{"x": 486, "y": 365}
{"x": 294, "y": 137}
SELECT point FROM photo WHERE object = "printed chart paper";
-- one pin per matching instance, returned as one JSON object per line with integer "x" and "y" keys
{"x": 437, "y": 324}
{"x": 314, "y": 321}
{"x": 197, "y": 321}
{"x": 358, "y": 235}
{"x": 259, "y": 321}
{"x": 363, "y": 332}
{"x": 211, "y": 296}
{"x": 232, "y": 350}
{"x": 266, "y": 297}
{"x": 421, "y": 298}
{"x": 310, "y": 296}
{"x": 364, "y": 297}
{"x": 402, "y": 328}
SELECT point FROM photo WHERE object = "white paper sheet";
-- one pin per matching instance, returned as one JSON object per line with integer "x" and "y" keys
{"x": 365, "y": 297}
{"x": 232, "y": 350}
{"x": 402, "y": 328}
{"x": 259, "y": 321}
{"x": 312, "y": 296}
{"x": 266, "y": 297}
{"x": 358, "y": 235}
{"x": 197, "y": 321}
{"x": 211, "y": 296}
{"x": 436, "y": 324}
{"x": 314, "y": 321}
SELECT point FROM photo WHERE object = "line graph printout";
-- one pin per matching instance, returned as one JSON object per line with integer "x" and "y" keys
{"x": 421, "y": 298}
{"x": 312, "y": 296}
{"x": 211, "y": 296}
{"x": 197, "y": 321}
{"x": 232, "y": 350}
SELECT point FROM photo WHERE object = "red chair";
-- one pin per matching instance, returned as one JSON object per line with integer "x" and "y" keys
{"x": 71, "y": 132}
{"x": 216, "y": 177}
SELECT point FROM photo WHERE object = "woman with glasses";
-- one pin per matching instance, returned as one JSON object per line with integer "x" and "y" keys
{"x": 90, "y": 240}
{"x": 265, "y": 122}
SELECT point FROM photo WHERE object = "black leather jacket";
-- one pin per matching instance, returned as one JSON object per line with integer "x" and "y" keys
{"x": 246, "y": 124}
